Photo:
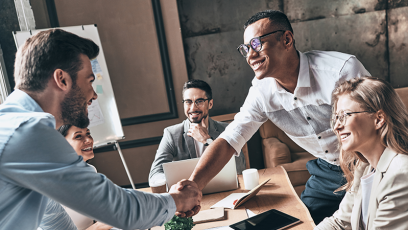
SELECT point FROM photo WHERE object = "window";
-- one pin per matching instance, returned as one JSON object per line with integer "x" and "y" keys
{"x": 4, "y": 83}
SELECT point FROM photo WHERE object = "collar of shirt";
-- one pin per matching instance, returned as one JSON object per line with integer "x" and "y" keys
{"x": 22, "y": 99}
{"x": 20, "y": 102}
{"x": 303, "y": 77}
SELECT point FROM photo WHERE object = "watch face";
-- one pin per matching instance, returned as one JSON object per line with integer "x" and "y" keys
{"x": 209, "y": 141}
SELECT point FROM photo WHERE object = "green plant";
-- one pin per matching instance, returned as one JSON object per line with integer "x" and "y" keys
{"x": 179, "y": 223}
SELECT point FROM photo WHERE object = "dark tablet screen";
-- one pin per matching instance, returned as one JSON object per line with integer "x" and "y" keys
{"x": 269, "y": 220}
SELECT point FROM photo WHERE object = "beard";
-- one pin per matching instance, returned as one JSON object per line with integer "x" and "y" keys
{"x": 197, "y": 120}
{"x": 73, "y": 108}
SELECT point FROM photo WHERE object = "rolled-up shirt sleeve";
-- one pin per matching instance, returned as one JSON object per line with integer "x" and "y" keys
{"x": 246, "y": 122}
{"x": 353, "y": 68}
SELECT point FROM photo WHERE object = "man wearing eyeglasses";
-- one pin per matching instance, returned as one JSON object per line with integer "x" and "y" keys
{"x": 293, "y": 90}
{"x": 191, "y": 137}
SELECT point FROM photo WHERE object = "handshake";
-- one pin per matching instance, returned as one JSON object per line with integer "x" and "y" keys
{"x": 187, "y": 197}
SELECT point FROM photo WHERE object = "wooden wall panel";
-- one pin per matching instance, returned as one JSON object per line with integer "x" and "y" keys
{"x": 130, "y": 41}
{"x": 128, "y": 36}
{"x": 139, "y": 161}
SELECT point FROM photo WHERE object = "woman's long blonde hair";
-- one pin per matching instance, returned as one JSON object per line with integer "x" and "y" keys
{"x": 373, "y": 94}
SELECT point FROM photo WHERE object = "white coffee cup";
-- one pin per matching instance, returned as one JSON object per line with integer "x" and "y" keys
{"x": 251, "y": 178}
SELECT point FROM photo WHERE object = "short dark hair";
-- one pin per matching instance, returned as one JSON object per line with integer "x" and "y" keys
{"x": 199, "y": 84}
{"x": 47, "y": 51}
{"x": 279, "y": 19}
{"x": 64, "y": 129}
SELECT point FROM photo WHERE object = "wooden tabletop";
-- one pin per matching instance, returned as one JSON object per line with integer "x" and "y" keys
{"x": 278, "y": 194}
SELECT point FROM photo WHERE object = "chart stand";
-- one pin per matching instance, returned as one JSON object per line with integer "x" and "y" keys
{"x": 124, "y": 164}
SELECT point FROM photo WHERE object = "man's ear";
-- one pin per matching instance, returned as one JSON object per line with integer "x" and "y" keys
{"x": 379, "y": 119}
{"x": 210, "y": 104}
{"x": 62, "y": 79}
{"x": 288, "y": 39}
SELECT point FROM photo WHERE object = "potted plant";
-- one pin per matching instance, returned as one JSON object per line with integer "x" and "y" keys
{"x": 179, "y": 223}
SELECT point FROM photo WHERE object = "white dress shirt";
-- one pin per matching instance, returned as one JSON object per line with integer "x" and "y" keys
{"x": 366, "y": 185}
{"x": 304, "y": 115}
{"x": 199, "y": 147}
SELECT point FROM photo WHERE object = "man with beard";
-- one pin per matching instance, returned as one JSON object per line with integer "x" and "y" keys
{"x": 53, "y": 76}
{"x": 191, "y": 137}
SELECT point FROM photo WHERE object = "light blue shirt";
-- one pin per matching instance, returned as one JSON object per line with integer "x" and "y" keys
{"x": 56, "y": 217}
{"x": 37, "y": 162}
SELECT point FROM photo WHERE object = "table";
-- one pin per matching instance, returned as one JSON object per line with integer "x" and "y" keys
{"x": 278, "y": 194}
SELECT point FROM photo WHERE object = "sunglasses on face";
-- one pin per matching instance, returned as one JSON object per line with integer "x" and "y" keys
{"x": 255, "y": 44}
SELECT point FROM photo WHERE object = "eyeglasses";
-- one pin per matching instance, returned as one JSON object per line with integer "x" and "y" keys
{"x": 342, "y": 118}
{"x": 255, "y": 43}
{"x": 199, "y": 102}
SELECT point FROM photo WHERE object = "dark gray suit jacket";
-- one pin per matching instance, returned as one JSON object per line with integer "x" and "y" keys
{"x": 176, "y": 145}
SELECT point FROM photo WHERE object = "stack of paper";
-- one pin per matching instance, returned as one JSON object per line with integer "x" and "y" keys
{"x": 209, "y": 215}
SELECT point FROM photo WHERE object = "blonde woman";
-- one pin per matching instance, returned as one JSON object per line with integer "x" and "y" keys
{"x": 371, "y": 123}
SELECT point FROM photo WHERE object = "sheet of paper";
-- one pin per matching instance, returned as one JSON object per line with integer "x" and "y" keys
{"x": 209, "y": 215}
{"x": 95, "y": 114}
{"x": 221, "y": 228}
{"x": 228, "y": 202}
{"x": 250, "y": 213}
{"x": 233, "y": 216}
{"x": 99, "y": 89}
{"x": 96, "y": 69}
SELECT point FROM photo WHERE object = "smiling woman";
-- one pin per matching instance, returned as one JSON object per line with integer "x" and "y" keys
{"x": 80, "y": 139}
{"x": 371, "y": 123}
{"x": 82, "y": 142}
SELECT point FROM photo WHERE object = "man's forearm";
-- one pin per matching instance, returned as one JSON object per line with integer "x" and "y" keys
{"x": 214, "y": 158}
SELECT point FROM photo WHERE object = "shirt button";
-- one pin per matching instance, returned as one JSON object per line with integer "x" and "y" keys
{"x": 319, "y": 137}
{"x": 309, "y": 118}
{"x": 326, "y": 151}
{"x": 295, "y": 98}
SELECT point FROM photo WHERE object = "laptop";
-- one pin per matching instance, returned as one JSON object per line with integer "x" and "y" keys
{"x": 225, "y": 180}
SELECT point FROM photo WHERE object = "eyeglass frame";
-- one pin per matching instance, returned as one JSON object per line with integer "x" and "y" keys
{"x": 195, "y": 102}
{"x": 345, "y": 114}
{"x": 260, "y": 42}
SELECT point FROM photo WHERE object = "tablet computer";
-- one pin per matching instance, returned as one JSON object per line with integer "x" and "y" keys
{"x": 269, "y": 220}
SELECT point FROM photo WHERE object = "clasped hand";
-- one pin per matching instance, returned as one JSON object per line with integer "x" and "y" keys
{"x": 199, "y": 131}
{"x": 187, "y": 197}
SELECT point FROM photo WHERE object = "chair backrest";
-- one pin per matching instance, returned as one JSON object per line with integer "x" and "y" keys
{"x": 269, "y": 129}
{"x": 403, "y": 94}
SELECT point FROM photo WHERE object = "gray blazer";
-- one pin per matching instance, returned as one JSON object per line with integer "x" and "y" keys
{"x": 388, "y": 203}
{"x": 176, "y": 145}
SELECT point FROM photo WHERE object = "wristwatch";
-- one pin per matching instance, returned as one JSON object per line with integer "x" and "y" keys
{"x": 208, "y": 141}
